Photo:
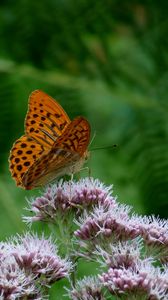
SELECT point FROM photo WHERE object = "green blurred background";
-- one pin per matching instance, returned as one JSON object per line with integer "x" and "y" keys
{"x": 105, "y": 60}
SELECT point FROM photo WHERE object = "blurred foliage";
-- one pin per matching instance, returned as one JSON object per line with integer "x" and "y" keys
{"x": 105, "y": 60}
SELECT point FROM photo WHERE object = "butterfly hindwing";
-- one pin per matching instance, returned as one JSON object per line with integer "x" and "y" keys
{"x": 65, "y": 156}
{"x": 49, "y": 166}
{"x": 76, "y": 136}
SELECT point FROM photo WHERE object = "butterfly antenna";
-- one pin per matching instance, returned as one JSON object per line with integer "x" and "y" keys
{"x": 93, "y": 137}
{"x": 106, "y": 147}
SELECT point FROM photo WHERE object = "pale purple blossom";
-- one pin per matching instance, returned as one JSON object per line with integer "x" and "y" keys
{"x": 142, "y": 281}
{"x": 89, "y": 223}
{"x": 89, "y": 288}
{"x": 39, "y": 257}
{"x": 116, "y": 223}
{"x": 14, "y": 282}
{"x": 122, "y": 254}
{"x": 69, "y": 195}
{"x": 28, "y": 267}
{"x": 106, "y": 222}
{"x": 154, "y": 232}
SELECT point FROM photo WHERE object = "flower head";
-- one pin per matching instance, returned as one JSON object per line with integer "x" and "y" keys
{"x": 14, "y": 282}
{"x": 122, "y": 254}
{"x": 89, "y": 288}
{"x": 69, "y": 195}
{"x": 155, "y": 235}
{"x": 141, "y": 280}
{"x": 27, "y": 265}
{"x": 106, "y": 222}
{"x": 39, "y": 256}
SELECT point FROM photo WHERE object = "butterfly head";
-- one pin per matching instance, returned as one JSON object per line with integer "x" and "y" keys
{"x": 86, "y": 155}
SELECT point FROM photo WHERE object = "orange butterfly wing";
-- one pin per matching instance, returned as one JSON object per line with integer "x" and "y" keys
{"x": 23, "y": 154}
{"x": 66, "y": 156}
{"x": 76, "y": 137}
{"x": 52, "y": 144}
{"x": 46, "y": 120}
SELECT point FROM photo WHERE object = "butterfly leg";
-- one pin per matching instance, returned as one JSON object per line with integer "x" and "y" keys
{"x": 70, "y": 185}
{"x": 89, "y": 171}
{"x": 72, "y": 177}
{"x": 78, "y": 176}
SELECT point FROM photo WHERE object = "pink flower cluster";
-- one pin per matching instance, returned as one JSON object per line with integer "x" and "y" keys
{"x": 102, "y": 216}
{"x": 27, "y": 265}
{"x": 125, "y": 245}
{"x": 89, "y": 288}
{"x": 155, "y": 235}
{"x": 67, "y": 196}
{"x": 106, "y": 221}
{"x": 115, "y": 222}
{"x": 142, "y": 280}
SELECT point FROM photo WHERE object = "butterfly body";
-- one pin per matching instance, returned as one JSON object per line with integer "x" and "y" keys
{"x": 72, "y": 167}
{"x": 52, "y": 145}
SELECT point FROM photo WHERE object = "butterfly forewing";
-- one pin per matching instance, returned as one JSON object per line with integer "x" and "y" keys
{"x": 65, "y": 157}
{"x": 46, "y": 120}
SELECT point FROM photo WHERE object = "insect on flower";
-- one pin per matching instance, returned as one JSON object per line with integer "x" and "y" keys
{"x": 52, "y": 145}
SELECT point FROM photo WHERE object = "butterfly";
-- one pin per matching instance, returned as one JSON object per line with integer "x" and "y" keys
{"x": 52, "y": 145}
